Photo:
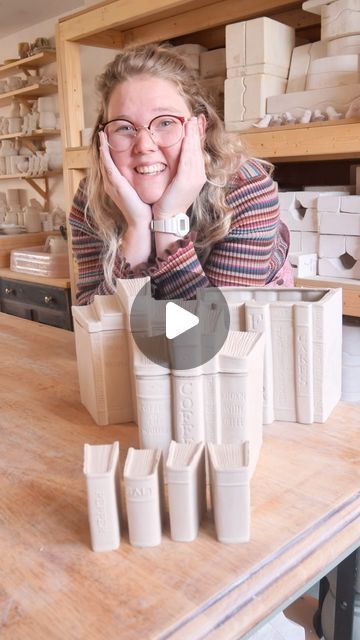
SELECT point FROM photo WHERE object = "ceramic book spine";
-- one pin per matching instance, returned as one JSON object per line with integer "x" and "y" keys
{"x": 101, "y": 468}
{"x": 241, "y": 391}
{"x": 230, "y": 491}
{"x": 188, "y": 406}
{"x": 257, "y": 316}
{"x": 153, "y": 398}
{"x": 327, "y": 341}
{"x": 143, "y": 493}
{"x": 304, "y": 382}
{"x": 185, "y": 470}
{"x": 282, "y": 336}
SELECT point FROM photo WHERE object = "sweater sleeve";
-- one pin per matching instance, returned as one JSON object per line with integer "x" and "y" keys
{"x": 87, "y": 249}
{"x": 251, "y": 254}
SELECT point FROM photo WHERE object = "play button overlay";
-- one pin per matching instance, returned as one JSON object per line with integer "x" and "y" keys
{"x": 178, "y": 320}
{"x": 179, "y": 334}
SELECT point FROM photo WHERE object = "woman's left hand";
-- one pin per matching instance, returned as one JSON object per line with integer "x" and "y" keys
{"x": 189, "y": 179}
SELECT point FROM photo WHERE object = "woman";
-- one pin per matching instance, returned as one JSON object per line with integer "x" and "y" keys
{"x": 170, "y": 194}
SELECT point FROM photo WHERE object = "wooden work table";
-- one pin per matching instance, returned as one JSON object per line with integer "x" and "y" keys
{"x": 305, "y": 518}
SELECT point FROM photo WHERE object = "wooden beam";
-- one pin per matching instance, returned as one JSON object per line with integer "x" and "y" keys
{"x": 110, "y": 39}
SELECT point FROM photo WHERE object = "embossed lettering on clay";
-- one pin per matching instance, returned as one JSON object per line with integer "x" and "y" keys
{"x": 101, "y": 468}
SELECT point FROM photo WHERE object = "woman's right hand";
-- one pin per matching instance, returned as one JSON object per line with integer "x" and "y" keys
{"x": 136, "y": 212}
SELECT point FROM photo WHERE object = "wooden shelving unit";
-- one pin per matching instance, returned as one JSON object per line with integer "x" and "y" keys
{"x": 38, "y": 134}
{"x": 30, "y": 63}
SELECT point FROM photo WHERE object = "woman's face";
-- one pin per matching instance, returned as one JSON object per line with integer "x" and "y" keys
{"x": 140, "y": 99}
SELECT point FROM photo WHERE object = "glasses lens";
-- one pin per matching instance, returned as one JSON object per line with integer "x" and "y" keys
{"x": 166, "y": 130}
{"x": 120, "y": 134}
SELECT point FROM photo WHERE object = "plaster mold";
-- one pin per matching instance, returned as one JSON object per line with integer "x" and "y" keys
{"x": 335, "y": 223}
{"x": 230, "y": 491}
{"x": 300, "y": 219}
{"x": 259, "y": 41}
{"x": 191, "y": 53}
{"x": 304, "y": 264}
{"x": 214, "y": 88}
{"x": 143, "y": 481}
{"x": 213, "y": 63}
{"x": 185, "y": 472}
{"x": 305, "y": 329}
{"x": 246, "y": 96}
{"x": 340, "y": 18}
{"x": 301, "y": 59}
{"x": 254, "y": 69}
{"x": 101, "y": 468}
{"x": 338, "y": 97}
{"x": 333, "y": 71}
{"x": 344, "y": 267}
{"x": 344, "y": 46}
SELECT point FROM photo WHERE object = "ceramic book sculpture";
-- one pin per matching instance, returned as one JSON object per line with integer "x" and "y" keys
{"x": 103, "y": 360}
{"x": 305, "y": 347}
{"x": 185, "y": 471}
{"x": 143, "y": 479}
{"x": 101, "y": 468}
{"x": 230, "y": 491}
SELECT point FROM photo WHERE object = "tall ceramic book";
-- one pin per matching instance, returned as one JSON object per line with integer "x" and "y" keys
{"x": 144, "y": 499}
{"x": 282, "y": 337}
{"x": 185, "y": 470}
{"x": 304, "y": 366}
{"x": 153, "y": 398}
{"x": 101, "y": 468}
{"x": 230, "y": 490}
{"x": 241, "y": 384}
{"x": 103, "y": 360}
{"x": 257, "y": 318}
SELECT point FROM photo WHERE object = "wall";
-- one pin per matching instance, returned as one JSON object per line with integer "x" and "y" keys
{"x": 92, "y": 61}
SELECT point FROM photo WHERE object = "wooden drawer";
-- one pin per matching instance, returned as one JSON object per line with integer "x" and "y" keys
{"x": 50, "y": 305}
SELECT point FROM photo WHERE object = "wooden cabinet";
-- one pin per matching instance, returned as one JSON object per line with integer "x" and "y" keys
{"x": 27, "y": 94}
{"x": 45, "y": 300}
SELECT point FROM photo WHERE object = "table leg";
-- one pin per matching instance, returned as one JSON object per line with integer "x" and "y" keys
{"x": 345, "y": 597}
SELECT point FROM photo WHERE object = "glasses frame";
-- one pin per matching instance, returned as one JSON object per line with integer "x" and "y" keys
{"x": 103, "y": 126}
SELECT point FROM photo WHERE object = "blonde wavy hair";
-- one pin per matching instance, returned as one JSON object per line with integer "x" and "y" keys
{"x": 223, "y": 151}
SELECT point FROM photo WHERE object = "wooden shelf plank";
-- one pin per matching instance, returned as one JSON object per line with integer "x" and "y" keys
{"x": 38, "y": 133}
{"x": 331, "y": 140}
{"x": 32, "y": 62}
{"x": 23, "y": 176}
{"x": 350, "y": 288}
{"x": 63, "y": 283}
{"x": 31, "y": 91}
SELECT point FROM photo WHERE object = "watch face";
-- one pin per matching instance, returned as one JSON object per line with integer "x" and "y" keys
{"x": 182, "y": 228}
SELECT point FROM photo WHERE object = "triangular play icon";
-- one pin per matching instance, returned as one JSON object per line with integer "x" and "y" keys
{"x": 178, "y": 320}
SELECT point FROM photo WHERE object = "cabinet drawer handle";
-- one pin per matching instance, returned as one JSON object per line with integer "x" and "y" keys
{"x": 8, "y": 290}
{"x": 48, "y": 299}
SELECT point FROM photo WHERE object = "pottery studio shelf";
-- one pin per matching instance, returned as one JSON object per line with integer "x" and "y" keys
{"x": 32, "y": 91}
{"x": 28, "y": 64}
{"x": 36, "y": 134}
{"x": 350, "y": 289}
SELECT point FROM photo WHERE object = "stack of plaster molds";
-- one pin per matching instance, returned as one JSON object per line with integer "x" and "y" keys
{"x": 298, "y": 209}
{"x": 339, "y": 241}
{"x": 212, "y": 76}
{"x": 258, "y": 55}
{"x": 191, "y": 53}
{"x": 303, "y": 331}
{"x": 221, "y": 401}
{"x": 326, "y": 72}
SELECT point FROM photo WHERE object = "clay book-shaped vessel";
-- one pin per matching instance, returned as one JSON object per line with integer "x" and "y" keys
{"x": 230, "y": 490}
{"x": 144, "y": 496}
{"x": 101, "y": 468}
{"x": 185, "y": 471}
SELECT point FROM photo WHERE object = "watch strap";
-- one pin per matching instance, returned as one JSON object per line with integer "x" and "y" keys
{"x": 177, "y": 225}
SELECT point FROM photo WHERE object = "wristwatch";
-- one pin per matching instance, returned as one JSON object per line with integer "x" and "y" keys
{"x": 178, "y": 225}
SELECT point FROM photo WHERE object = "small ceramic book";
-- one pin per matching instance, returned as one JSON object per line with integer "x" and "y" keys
{"x": 185, "y": 470}
{"x": 101, "y": 468}
{"x": 230, "y": 490}
{"x": 144, "y": 499}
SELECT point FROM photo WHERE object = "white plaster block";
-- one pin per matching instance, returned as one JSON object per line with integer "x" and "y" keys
{"x": 339, "y": 223}
{"x": 213, "y": 63}
{"x": 258, "y": 41}
{"x": 340, "y": 18}
{"x": 101, "y": 468}
{"x": 143, "y": 481}
{"x": 331, "y": 246}
{"x": 214, "y": 87}
{"x": 332, "y": 71}
{"x": 230, "y": 486}
{"x": 299, "y": 66}
{"x": 338, "y": 97}
{"x": 246, "y": 96}
{"x": 309, "y": 242}
{"x": 191, "y": 53}
{"x": 314, "y": 6}
{"x": 295, "y": 241}
{"x": 329, "y": 203}
{"x": 185, "y": 472}
{"x": 334, "y": 267}
{"x": 350, "y": 204}
{"x": 251, "y": 69}
{"x": 305, "y": 264}
{"x": 352, "y": 245}
{"x": 344, "y": 46}
{"x": 298, "y": 220}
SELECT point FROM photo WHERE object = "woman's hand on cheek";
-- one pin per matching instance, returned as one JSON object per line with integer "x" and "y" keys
{"x": 136, "y": 212}
{"x": 190, "y": 176}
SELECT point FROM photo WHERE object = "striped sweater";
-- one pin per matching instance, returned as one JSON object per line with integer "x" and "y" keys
{"x": 253, "y": 253}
